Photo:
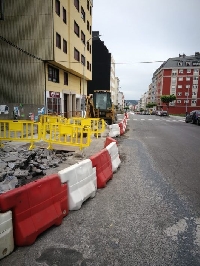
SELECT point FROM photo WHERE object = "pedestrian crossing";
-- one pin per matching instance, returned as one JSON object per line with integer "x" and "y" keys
{"x": 159, "y": 119}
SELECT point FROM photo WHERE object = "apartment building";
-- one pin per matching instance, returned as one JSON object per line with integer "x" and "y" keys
{"x": 46, "y": 56}
{"x": 179, "y": 76}
{"x": 116, "y": 91}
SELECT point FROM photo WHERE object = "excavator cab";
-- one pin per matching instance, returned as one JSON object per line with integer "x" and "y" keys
{"x": 102, "y": 101}
{"x": 99, "y": 105}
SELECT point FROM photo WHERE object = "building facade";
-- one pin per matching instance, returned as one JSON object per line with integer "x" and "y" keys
{"x": 179, "y": 76}
{"x": 46, "y": 56}
{"x": 103, "y": 67}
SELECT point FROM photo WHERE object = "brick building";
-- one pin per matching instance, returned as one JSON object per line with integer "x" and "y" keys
{"x": 179, "y": 76}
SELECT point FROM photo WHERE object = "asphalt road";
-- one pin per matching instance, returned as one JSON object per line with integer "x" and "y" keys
{"x": 149, "y": 213}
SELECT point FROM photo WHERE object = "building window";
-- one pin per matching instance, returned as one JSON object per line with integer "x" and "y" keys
{"x": 83, "y": 60}
{"x": 76, "y": 4}
{"x": 90, "y": 29}
{"x": 194, "y": 93}
{"x": 196, "y": 78}
{"x": 57, "y": 7}
{"x": 179, "y": 94}
{"x": 195, "y": 86}
{"x": 186, "y": 93}
{"x": 196, "y": 70}
{"x": 88, "y": 65}
{"x": 178, "y": 101}
{"x": 76, "y": 28}
{"x": 180, "y": 79}
{"x": 82, "y": 37}
{"x": 65, "y": 78}
{"x": 88, "y": 5}
{"x": 174, "y": 73}
{"x": 88, "y": 25}
{"x": 194, "y": 101}
{"x": 180, "y": 63}
{"x": 188, "y": 70}
{"x": 173, "y": 80}
{"x": 53, "y": 74}
{"x": 88, "y": 46}
{"x": 187, "y": 63}
{"x": 187, "y": 86}
{"x": 64, "y": 46}
{"x": 180, "y": 71}
{"x": 90, "y": 10}
{"x": 64, "y": 16}
{"x": 179, "y": 86}
{"x": 58, "y": 40}
{"x": 76, "y": 55}
{"x": 82, "y": 14}
{"x": 186, "y": 101}
{"x": 187, "y": 78}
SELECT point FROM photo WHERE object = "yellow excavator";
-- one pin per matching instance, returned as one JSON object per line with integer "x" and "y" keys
{"x": 99, "y": 105}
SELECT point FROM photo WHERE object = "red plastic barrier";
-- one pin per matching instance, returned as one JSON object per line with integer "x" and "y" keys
{"x": 121, "y": 128}
{"x": 103, "y": 164}
{"x": 108, "y": 141}
{"x": 126, "y": 115}
{"x": 124, "y": 121}
{"x": 36, "y": 207}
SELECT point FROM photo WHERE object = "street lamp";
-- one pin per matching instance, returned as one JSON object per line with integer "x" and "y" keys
{"x": 84, "y": 72}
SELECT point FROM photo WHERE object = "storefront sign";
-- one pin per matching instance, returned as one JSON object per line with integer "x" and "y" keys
{"x": 54, "y": 94}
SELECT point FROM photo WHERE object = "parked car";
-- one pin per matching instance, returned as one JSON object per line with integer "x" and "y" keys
{"x": 164, "y": 113}
{"x": 193, "y": 117}
{"x": 161, "y": 113}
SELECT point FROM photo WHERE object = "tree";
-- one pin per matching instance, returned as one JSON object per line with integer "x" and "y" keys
{"x": 151, "y": 105}
{"x": 168, "y": 99}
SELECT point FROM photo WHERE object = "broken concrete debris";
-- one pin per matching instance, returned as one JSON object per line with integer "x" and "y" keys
{"x": 20, "y": 166}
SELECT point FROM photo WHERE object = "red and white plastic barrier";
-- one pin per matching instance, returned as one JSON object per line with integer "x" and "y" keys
{"x": 82, "y": 182}
{"x": 102, "y": 162}
{"x": 108, "y": 141}
{"x": 6, "y": 234}
{"x": 114, "y": 154}
{"x": 114, "y": 130}
{"x": 35, "y": 207}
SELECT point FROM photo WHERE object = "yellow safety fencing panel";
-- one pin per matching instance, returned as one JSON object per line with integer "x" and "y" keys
{"x": 52, "y": 129}
{"x": 20, "y": 130}
{"x": 66, "y": 134}
{"x": 96, "y": 125}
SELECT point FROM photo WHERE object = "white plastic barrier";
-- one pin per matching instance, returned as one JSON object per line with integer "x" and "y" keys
{"x": 114, "y": 130}
{"x": 6, "y": 234}
{"x": 82, "y": 182}
{"x": 124, "y": 124}
{"x": 114, "y": 154}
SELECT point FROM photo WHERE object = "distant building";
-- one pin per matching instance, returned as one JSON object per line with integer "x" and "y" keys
{"x": 121, "y": 103}
{"x": 46, "y": 56}
{"x": 179, "y": 76}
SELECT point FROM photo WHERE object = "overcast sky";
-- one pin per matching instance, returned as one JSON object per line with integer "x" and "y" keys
{"x": 146, "y": 30}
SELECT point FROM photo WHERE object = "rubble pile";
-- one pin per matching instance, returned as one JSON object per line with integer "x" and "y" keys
{"x": 21, "y": 166}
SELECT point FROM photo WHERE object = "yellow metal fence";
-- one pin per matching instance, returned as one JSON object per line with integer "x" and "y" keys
{"x": 53, "y": 130}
